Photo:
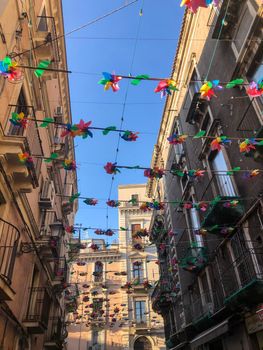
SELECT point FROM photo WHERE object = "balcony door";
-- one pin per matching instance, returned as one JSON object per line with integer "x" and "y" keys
{"x": 224, "y": 182}
{"x": 140, "y": 310}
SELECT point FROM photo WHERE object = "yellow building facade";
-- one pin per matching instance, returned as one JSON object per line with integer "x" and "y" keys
{"x": 33, "y": 209}
{"x": 115, "y": 282}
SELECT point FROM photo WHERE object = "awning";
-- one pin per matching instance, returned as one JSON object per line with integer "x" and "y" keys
{"x": 209, "y": 335}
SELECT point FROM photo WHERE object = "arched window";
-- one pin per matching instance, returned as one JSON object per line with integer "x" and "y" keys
{"x": 142, "y": 343}
{"x": 98, "y": 271}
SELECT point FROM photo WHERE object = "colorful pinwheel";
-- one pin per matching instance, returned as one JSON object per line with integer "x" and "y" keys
{"x": 203, "y": 206}
{"x": 196, "y": 173}
{"x": 81, "y": 129}
{"x": 91, "y": 201}
{"x": 129, "y": 136}
{"x": 110, "y": 81}
{"x": 155, "y": 173}
{"x": 165, "y": 87}
{"x": 19, "y": 119}
{"x": 207, "y": 90}
{"x": 113, "y": 204}
{"x": 193, "y": 5}
{"x": 251, "y": 174}
{"x": 216, "y": 144}
{"x": 26, "y": 159}
{"x": 70, "y": 229}
{"x": 231, "y": 204}
{"x": 111, "y": 168}
{"x": 69, "y": 164}
{"x": 247, "y": 145}
{"x": 145, "y": 207}
{"x": 255, "y": 89}
{"x": 9, "y": 70}
{"x": 176, "y": 139}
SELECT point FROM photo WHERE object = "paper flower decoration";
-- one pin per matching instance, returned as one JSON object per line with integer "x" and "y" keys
{"x": 207, "y": 90}
{"x": 145, "y": 207}
{"x": 91, "y": 201}
{"x": 155, "y": 173}
{"x": 218, "y": 142}
{"x": 201, "y": 206}
{"x": 113, "y": 204}
{"x": 19, "y": 119}
{"x": 110, "y": 81}
{"x": 26, "y": 159}
{"x": 69, "y": 164}
{"x": 177, "y": 139}
{"x": 247, "y": 145}
{"x": 196, "y": 173}
{"x": 70, "y": 229}
{"x": 231, "y": 204}
{"x": 193, "y": 5}
{"x": 9, "y": 70}
{"x": 94, "y": 247}
{"x": 99, "y": 232}
{"x": 251, "y": 174}
{"x": 130, "y": 136}
{"x": 111, "y": 168}
{"x": 255, "y": 89}
{"x": 165, "y": 87}
{"x": 157, "y": 205}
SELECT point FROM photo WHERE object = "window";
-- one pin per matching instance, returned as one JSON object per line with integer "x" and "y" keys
{"x": 137, "y": 271}
{"x": 97, "y": 304}
{"x": 195, "y": 224}
{"x": 42, "y": 24}
{"x": 224, "y": 182}
{"x": 98, "y": 271}
{"x": 134, "y": 229}
{"x": 134, "y": 199}
{"x": 21, "y": 107}
{"x": 140, "y": 310}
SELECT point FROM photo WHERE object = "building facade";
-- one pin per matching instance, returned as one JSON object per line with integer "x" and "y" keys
{"x": 33, "y": 210}
{"x": 210, "y": 296}
{"x": 115, "y": 282}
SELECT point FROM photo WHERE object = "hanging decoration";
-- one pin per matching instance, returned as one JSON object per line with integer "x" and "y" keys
{"x": 251, "y": 174}
{"x": 26, "y": 159}
{"x": 147, "y": 206}
{"x": 129, "y": 136}
{"x": 9, "y": 70}
{"x": 165, "y": 87}
{"x": 155, "y": 173}
{"x": 110, "y": 81}
{"x": 80, "y": 129}
{"x": 73, "y": 197}
{"x": 91, "y": 201}
{"x": 52, "y": 157}
{"x": 216, "y": 144}
{"x": 176, "y": 139}
{"x": 207, "y": 90}
{"x": 113, "y": 203}
{"x": 193, "y": 5}
{"x": 255, "y": 89}
{"x": 249, "y": 145}
{"x": 69, "y": 164}
{"x": 107, "y": 232}
{"x": 70, "y": 229}
{"x": 40, "y": 71}
{"x": 19, "y": 119}
{"x": 111, "y": 168}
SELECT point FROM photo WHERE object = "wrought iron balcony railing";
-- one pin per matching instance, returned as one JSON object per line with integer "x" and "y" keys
{"x": 36, "y": 319}
{"x": 9, "y": 239}
{"x": 55, "y": 334}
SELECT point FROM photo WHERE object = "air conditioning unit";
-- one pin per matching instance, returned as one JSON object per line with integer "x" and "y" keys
{"x": 47, "y": 195}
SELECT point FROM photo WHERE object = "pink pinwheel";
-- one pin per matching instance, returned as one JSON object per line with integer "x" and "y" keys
{"x": 111, "y": 168}
{"x": 166, "y": 87}
{"x": 110, "y": 81}
{"x": 177, "y": 139}
{"x": 216, "y": 144}
{"x": 83, "y": 129}
{"x": 255, "y": 89}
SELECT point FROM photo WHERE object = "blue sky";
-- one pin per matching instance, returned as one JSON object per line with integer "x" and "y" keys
{"x": 108, "y": 45}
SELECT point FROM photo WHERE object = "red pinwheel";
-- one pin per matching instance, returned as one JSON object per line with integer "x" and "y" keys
{"x": 113, "y": 204}
{"x": 111, "y": 168}
{"x": 129, "y": 136}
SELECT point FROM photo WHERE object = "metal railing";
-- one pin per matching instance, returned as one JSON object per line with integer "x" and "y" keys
{"x": 219, "y": 184}
{"x": 206, "y": 304}
{"x": 38, "y": 306}
{"x": 56, "y": 332}
{"x": 9, "y": 239}
{"x": 246, "y": 268}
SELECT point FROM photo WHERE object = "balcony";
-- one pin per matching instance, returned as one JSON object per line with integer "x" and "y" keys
{"x": 49, "y": 239}
{"x": 55, "y": 335}
{"x": 161, "y": 297}
{"x": 45, "y": 33}
{"x": 15, "y": 140}
{"x": 197, "y": 109}
{"x": 229, "y": 12}
{"x": 47, "y": 195}
{"x": 58, "y": 269}
{"x": 9, "y": 239}
{"x": 243, "y": 280}
{"x": 204, "y": 307}
{"x": 220, "y": 191}
{"x": 195, "y": 259}
{"x": 36, "y": 319}
{"x": 158, "y": 228}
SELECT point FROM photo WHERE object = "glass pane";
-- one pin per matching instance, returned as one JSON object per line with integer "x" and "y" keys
{"x": 224, "y": 182}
